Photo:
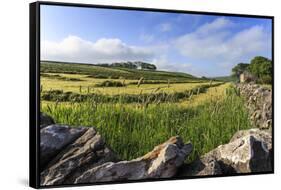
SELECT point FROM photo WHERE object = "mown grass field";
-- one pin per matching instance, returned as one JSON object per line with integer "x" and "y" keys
{"x": 84, "y": 84}
{"x": 135, "y": 118}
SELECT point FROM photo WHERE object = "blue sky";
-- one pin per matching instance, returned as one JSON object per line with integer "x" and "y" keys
{"x": 198, "y": 44}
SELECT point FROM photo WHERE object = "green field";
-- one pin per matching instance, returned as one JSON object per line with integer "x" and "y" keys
{"x": 135, "y": 110}
{"x": 112, "y": 73}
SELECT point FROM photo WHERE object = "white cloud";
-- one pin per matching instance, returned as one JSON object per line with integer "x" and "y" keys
{"x": 216, "y": 25}
{"x": 215, "y": 44}
{"x": 165, "y": 27}
{"x": 164, "y": 64}
{"x": 213, "y": 49}
{"x": 75, "y": 49}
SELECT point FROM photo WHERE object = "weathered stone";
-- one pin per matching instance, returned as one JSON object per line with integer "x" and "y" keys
{"x": 54, "y": 138}
{"x": 262, "y": 135}
{"x": 45, "y": 120}
{"x": 162, "y": 162}
{"x": 267, "y": 124}
{"x": 258, "y": 91}
{"x": 204, "y": 166}
{"x": 259, "y": 104}
{"x": 248, "y": 151}
{"x": 86, "y": 152}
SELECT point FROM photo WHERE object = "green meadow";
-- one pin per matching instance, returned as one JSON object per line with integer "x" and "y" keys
{"x": 135, "y": 110}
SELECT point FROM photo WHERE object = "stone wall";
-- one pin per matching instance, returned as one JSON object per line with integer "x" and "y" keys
{"x": 259, "y": 103}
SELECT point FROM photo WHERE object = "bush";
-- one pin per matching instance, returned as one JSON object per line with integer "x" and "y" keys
{"x": 267, "y": 79}
{"x": 109, "y": 83}
{"x": 98, "y": 76}
{"x": 261, "y": 67}
{"x": 113, "y": 77}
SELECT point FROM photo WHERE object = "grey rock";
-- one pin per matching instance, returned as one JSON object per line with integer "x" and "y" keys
{"x": 262, "y": 135}
{"x": 204, "y": 166}
{"x": 45, "y": 120}
{"x": 259, "y": 104}
{"x": 86, "y": 152}
{"x": 162, "y": 162}
{"x": 54, "y": 138}
{"x": 248, "y": 151}
{"x": 258, "y": 91}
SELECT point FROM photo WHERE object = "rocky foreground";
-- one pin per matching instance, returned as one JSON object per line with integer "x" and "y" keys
{"x": 80, "y": 155}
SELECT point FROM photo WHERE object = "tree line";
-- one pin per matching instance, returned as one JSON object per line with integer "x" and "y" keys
{"x": 260, "y": 67}
{"x": 130, "y": 65}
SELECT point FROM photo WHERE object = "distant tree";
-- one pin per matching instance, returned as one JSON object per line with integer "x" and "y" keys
{"x": 102, "y": 64}
{"x": 144, "y": 65}
{"x": 239, "y": 69}
{"x": 203, "y": 77}
{"x": 261, "y": 67}
{"x": 134, "y": 65}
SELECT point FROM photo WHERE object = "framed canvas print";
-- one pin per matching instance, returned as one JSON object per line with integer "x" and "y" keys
{"x": 122, "y": 94}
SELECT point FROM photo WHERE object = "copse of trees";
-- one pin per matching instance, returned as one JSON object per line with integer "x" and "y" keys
{"x": 147, "y": 66}
{"x": 260, "y": 67}
{"x": 130, "y": 65}
{"x": 239, "y": 69}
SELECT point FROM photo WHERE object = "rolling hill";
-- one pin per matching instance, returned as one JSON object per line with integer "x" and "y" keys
{"x": 112, "y": 72}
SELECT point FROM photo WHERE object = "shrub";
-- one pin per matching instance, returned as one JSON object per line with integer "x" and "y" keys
{"x": 109, "y": 83}
{"x": 98, "y": 76}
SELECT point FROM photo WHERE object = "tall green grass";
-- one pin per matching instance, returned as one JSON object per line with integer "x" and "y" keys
{"x": 131, "y": 130}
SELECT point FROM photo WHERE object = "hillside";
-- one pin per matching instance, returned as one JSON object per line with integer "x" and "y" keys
{"x": 112, "y": 72}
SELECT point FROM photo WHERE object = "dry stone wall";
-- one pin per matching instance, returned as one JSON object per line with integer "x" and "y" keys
{"x": 259, "y": 104}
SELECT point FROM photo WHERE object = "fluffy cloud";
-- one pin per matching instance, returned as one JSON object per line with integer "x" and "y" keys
{"x": 75, "y": 49}
{"x": 163, "y": 63}
{"x": 216, "y": 25}
{"x": 215, "y": 44}
{"x": 213, "y": 49}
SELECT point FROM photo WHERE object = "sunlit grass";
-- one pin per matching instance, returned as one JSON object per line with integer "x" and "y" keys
{"x": 213, "y": 94}
{"x": 133, "y": 118}
{"x": 134, "y": 129}
{"x": 88, "y": 85}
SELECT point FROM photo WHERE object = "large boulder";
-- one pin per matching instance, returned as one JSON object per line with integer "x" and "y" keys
{"x": 54, "y": 138}
{"x": 248, "y": 151}
{"x": 263, "y": 135}
{"x": 86, "y": 152}
{"x": 162, "y": 162}
{"x": 245, "y": 155}
{"x": 45, "y": 120}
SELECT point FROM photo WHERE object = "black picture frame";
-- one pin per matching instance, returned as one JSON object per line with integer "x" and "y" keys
{"x": 34, "y": 88}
